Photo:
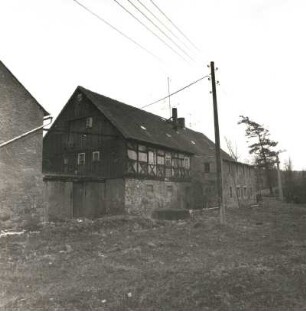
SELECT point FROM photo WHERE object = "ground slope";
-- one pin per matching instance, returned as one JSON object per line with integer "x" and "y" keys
{"x": 255, "y": 262}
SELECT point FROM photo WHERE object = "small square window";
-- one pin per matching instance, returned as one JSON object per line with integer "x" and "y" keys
{"x": 96, "y": 156}
{"x": 81, "y": 158}
{"x": 89, "y": 122}
{"x": 149, "y": 188}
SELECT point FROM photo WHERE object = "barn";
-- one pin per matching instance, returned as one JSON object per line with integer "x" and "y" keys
{"x": 102, "y": 157}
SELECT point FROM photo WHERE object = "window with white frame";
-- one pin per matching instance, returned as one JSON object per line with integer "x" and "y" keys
{"x": 96, "y": 156}
{"x": 89, "y": 122}
{"x": 187, "y": 163}
{"x": 81, "y": 158}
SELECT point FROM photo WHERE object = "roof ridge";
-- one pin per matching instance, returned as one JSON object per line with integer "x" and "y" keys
{"x": 183, "y": 139}
{"x": 122, "y": 103}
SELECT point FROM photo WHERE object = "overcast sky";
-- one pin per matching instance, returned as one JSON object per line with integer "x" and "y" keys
{"x": 52, "y": 46}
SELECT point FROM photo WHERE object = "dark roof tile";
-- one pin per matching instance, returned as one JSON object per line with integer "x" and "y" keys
{"x": 137, "y": 124}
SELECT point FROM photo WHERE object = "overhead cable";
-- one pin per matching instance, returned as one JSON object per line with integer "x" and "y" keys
{"x": 117, "y": 30}
{"x": 156, "y": 26}
{"x": 183, "y": 88}
{"x": 162, "y": 23}
{"x": 152, "y": 32}
{"x": 176, "y": 27}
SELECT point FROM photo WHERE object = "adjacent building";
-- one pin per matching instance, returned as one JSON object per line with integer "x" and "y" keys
{"x": 104, "y": 157}
{"x": 21, "y": 139}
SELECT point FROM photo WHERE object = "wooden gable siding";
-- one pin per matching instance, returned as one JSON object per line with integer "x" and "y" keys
{"x": 71, "y": 135}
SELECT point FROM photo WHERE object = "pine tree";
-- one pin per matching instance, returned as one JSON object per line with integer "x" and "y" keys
{"x": 263, "y": 147}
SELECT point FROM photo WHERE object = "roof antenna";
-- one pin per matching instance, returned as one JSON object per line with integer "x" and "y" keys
{"x": 170, "y": 111}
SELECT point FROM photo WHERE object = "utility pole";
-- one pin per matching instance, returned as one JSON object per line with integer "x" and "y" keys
{"x": 279, "y": 179}
{"x": 217, "y": 144}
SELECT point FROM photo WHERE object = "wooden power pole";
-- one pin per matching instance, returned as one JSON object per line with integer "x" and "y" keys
{"x": 217, "y": 144}
{"x": 279, "y": 181}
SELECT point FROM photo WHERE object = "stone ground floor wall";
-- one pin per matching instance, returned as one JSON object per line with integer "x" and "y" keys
{"x": 143, "y": 196}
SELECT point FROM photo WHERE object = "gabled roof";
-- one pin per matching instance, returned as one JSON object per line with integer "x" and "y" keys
{"x": 137, "y": 124}
{"x": 7, "y": 75}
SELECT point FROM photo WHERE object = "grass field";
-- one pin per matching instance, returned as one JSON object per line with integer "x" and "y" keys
{"x": 255, "y": 262}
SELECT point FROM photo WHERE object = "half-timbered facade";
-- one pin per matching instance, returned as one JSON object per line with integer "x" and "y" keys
{"x": 103, "y": 156}
{"x": 97, "y": 140}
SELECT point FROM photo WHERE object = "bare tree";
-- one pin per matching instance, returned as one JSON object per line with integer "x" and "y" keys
{"x": 233, "y": 151}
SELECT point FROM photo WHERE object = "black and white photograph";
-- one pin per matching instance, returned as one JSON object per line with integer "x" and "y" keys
{"x": 152, "y": 155}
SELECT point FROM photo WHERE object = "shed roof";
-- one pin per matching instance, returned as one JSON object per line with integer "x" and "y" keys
{"x": 140, "y": 125}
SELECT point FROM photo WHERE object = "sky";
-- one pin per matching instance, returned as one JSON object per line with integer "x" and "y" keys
{"x": 52, "y": 46}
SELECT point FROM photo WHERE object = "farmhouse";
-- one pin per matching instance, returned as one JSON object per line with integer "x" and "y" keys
{"x": 21, "y": 120}
{"x": 104, "y": 157}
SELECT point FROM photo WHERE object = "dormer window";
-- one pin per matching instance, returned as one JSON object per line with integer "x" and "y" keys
{"x": 89, "y": 122}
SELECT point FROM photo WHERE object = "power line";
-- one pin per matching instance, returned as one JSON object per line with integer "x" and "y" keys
{"x": 152, "y": 32}
{"x": 183, "y": 88}
{"x": 176, "y": 27}
{"x": 153, "y": 23}
{"x": 162, "y": 23}
{"x": 117, "y": 30}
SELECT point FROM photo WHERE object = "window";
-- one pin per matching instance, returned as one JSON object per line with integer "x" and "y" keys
{"x": 89, "y": 122}
{"x": 149, "y": 188}
{"x": 142, "y": 154}
{"x": 132, "y": 154}
{"x": 151, "y": 155}
{"x": 81, "y": 158}
{"x": 245, "y": 192}
{"x": 231, "y": 192}
{"x": 168, "y": 172}
{"x": 160, "y": 157}
{"x": 65, "y": 161}
{"x": 187, "y": 163}
{"x": 96, "y": 156}
{"x": 238, "y": 192}
{"x": 168, "y": 159}
{"x": 207, "y": 167}
{"x": 169, "y": 191}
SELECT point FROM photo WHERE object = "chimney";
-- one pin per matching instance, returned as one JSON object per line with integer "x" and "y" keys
{"x": 181, "y": 123}
{"x": 174, "y": 115}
